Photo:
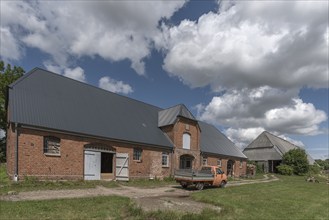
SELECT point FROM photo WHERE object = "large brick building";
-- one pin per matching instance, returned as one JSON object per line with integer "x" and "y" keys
{"x": 59, "y": 128}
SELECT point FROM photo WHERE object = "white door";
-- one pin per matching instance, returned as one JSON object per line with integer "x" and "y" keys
{"x": 122, "y": 162}
{"x": 92, "y": 165}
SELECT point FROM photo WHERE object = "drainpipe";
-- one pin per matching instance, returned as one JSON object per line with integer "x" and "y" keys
{"x": 16, "y": 155}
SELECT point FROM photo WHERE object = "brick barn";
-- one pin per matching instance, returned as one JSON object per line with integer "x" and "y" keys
{"x": 59, "y": 128}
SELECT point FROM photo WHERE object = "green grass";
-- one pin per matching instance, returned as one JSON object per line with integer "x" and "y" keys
{"x": 102, "y": 207}
{"x": 289, "y": 198}
{"x": 31, "y": 184}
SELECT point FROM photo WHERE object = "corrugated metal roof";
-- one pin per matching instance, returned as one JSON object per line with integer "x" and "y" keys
{"x": 259, "y": 154}
{"x": 213, "y": 141}
{"x": 52, "y": 101}
{"x": 168, "y": 116}
{"x": 266, "y": 139}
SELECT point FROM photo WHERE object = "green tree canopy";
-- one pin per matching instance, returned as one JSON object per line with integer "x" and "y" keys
{"x": 297, "y": 159}
{"x": 7, "y": 76}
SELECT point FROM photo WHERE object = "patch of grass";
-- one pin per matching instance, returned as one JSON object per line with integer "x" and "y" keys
{"x": 31, "y": 184}
{"x": 289, "y": 198}
{"x": 102, "y": 207}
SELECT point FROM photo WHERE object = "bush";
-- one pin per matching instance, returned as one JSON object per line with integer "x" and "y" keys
{"x": 314, "y": 169}
{"x": 285, "y": 169}
{"x": 297, "y": 159}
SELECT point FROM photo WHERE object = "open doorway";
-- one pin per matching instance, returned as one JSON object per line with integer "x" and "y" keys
{"x": 186, "y": 162}
{"x": 106, "y": 166}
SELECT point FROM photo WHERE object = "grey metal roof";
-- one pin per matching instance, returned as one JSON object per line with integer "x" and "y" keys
{"x": 213, "y": 141}
{"x": 266, "y": 139}
{"x": 168, "y": 116}
{"x": 261, "y": 154}
{"x": 49, "y": 100}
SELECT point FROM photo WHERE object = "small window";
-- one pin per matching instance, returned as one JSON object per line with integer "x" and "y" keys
{"x": 241, "y": 162}
{"x": 219, "y": 162}
{"x": 52, "y": 145}
{"x": 186, "y": 141}
{"x": 205, "y": 161}
{"x": 187, "y": 127}
{"x": 165, "y": 159}
{"x": 137, "y": 154}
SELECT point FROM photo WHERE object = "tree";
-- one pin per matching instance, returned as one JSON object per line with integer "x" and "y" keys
{"x": 297, "y": 159}
{"x": 7, "y": 76}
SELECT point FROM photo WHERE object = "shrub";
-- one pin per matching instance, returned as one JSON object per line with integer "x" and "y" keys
{"x": 314, "y": 169}
{"x": 285, "y": 169}
{"x": 297, "y": 159}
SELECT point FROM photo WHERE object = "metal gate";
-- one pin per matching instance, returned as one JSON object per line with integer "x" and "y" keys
{"x": 92, "y": 169}
{"x": 122, "y": 162}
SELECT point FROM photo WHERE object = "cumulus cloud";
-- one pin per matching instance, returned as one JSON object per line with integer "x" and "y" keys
{"x": 246, "y": 44}
{"x": 113, "y": 85}
{"x": 248, "y": 112}
{"x": 77, "y": 73}
{"x": 9, "y": 49}
{"x": 112, "y": 30}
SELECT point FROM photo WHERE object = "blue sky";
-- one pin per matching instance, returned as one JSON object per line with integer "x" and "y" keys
{"x": 243, "y": 66}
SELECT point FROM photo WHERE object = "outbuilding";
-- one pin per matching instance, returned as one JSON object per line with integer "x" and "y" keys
{"x": 267, "y": 150}
{"x": 60, "y": 128}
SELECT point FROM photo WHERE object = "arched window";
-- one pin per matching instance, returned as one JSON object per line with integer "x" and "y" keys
{"x": 186, "y": 141}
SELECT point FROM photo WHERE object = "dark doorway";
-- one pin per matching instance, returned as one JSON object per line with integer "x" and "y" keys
{"x": 186, "y": 162}
{"x": 106, "y": 163}
{"x": 230, "y": 164}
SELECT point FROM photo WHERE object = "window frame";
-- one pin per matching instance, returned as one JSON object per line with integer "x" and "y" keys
{"x": 46, "y": 148}
{"x": 137, "y": 152}
{"x": 186, "y": 134}
{"x": 204, "y": 161}
{"x": 220, "y": 163}
{"x": 165, "y": 154}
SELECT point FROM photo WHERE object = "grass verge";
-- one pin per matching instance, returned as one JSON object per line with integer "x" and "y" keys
{"x": 289, "y": 198}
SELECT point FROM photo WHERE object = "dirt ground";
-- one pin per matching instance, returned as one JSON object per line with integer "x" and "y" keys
{"x": 151, "y": 199}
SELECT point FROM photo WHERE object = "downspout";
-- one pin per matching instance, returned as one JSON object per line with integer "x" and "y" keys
{"x": 16, "y": 155}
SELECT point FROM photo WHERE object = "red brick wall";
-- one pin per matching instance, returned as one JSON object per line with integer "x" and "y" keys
{"x": 238, "y": 171}
{"x": 175, "y": 133}
{"x": 11, "y": 143}
{"x": 70, "y": 163}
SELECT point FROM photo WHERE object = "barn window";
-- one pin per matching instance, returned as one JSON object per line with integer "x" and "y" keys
{"x": 165, "y": 159}
{"x": 51, "y": 145}
{"x": 137, "y": 154}
{"x": 241, "y": 162}
{"x": 219, "y": 162}
{"x": 186, "y": 141}
{"x": 205, "y": 161}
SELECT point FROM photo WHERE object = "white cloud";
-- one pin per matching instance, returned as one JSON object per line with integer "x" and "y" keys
{"x": 113, "y": 85}
{"x": 250, "y": 45}
{"x": 9, "y": 48}
{"x": 264, "y": 108}
{"x": 77, "y": 73}
{"x": 112, "y": 30}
